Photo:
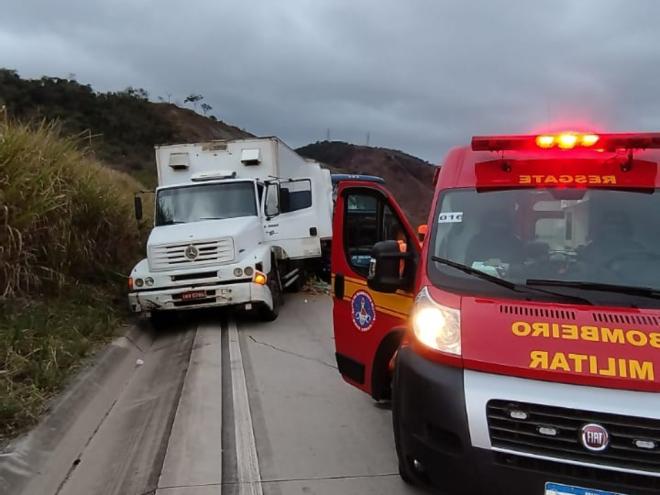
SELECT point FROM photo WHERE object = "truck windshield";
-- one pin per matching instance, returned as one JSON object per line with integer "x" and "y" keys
{"x": 205, "y": 202}
{"x": 574, "y": 240}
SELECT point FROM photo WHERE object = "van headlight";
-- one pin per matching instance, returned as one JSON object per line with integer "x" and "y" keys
{"x": 435, "y": 325}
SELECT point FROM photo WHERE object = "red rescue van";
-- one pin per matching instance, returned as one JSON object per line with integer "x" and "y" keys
{"x": 520, "y": 341}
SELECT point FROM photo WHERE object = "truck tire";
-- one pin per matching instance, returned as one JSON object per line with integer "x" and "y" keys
{"x": 268, "y": 314}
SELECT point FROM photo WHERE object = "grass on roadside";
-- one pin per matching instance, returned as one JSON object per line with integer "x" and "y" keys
{"x": 42, "y": 343}
{"x": 67, "y": 239}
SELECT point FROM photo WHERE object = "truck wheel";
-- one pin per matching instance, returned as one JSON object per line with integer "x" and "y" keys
{"x": 268, "y": 314}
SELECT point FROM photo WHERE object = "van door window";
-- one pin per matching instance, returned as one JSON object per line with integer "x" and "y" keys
{"x": 368, "y": 219}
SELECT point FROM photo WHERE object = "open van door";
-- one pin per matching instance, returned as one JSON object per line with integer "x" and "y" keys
{"x": 368, "y": 324}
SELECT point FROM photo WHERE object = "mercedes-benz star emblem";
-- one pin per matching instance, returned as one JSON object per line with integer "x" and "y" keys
{"x": 595, "y": 437}
{"x": 191, "y": 252}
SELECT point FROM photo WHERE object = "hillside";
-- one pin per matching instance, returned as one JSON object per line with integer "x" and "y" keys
{"x": 120, "y": 127}
{"x": 408, "y": 177}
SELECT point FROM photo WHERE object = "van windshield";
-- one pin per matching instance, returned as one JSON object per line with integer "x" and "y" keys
{"x": 574, "y": 237}
{"x": 205, "y": 202}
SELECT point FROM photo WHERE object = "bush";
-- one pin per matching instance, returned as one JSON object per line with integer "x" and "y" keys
{"x": 67, "y": 238}
{"x": 64, "y": 218}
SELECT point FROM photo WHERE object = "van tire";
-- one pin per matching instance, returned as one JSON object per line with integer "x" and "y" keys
{"x": 406, "y": 471}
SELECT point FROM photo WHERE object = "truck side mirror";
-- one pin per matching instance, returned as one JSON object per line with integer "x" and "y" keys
{"x": 138, "y": 207}
{"x": 422, "y": 230}
{"x": 385, "y": 267}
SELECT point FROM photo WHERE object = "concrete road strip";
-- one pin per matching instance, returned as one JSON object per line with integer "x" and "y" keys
{"x": 249, "y": 476}
{"x": 193, "y": 458}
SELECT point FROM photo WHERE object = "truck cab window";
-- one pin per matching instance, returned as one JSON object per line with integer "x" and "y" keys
{"x": 200, "y": 202}
{"x": 272, "y": 202}
{"x": 295, "y": 195}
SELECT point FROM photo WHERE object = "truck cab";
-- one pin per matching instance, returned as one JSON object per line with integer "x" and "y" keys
{"x": 520, "y": 342}
{"x": 235, "y": 224}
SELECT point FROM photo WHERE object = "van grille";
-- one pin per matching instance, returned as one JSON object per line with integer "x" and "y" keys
{"x": 173, "y": 256}
{"x": 626, "y": 319}
{"x": 556, "y": 314}
{"x": 523, "y": 435}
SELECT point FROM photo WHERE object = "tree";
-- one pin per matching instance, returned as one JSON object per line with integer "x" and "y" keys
{"x": 194, "y": 99}
{"x": 206, "y": 108}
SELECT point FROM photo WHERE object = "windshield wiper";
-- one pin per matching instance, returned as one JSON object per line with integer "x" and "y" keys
{"x": 506, "y": 283}
{"x": 212, "y": 218}
{"x": 171, "y": 222}
{"x": 596, "y": 286}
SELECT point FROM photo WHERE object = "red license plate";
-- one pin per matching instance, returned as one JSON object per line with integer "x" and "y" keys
{"x": 189, "y": 296}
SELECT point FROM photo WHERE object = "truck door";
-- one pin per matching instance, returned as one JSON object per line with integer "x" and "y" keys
{"x": 368, "y": 324}
{"x": 295, "y": 224}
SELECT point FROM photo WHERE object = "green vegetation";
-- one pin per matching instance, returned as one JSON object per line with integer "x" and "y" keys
{"x": 121, "y": 127}
{"x": 67, "y": 234}
{"x": 42, "y": 343}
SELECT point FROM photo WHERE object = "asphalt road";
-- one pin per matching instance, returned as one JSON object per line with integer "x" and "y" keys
{"x": 216, "y": 403}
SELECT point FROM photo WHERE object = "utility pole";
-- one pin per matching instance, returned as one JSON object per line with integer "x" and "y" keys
{"x": 368, "y": 136}
{"x": 327, "y": 134}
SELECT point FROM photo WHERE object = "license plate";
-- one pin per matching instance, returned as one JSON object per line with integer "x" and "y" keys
{"x": 189, "y": 296}
{"x": 557, "y": 489}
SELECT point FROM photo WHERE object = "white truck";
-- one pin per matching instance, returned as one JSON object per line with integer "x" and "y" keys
{"x": 235, "y": 224}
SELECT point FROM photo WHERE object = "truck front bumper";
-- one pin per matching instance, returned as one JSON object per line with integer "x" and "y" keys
{"x": 440, "y": 422}
{"x": 227, "y": 294}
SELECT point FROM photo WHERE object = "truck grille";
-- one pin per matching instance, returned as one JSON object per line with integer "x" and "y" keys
{"x": 529, "y": 428}
{"x": 173, "y": 256}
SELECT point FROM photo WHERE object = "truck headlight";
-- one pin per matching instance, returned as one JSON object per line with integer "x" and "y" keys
{"x": 149, "y": 281}
{"x": 139, "y": 282}
{"x": 435, "y": 325}
{"x": 238, "y": 272}
{"x": 248, "y": 271}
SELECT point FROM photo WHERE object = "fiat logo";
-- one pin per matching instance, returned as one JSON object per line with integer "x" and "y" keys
{"x": 191, "y": 252}
{"x": 594, "y": 437}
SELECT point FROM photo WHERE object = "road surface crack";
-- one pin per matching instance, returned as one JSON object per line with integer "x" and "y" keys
{"x": 291, "y": 353}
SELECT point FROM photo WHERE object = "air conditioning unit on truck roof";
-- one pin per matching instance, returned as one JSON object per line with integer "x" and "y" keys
{"x": 236, "y": 222}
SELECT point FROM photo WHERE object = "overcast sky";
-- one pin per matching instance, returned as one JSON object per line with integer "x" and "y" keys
{"x": 418, "y": 75}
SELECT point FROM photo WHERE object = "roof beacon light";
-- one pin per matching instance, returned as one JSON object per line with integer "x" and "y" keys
{"x": 588, "y": 140}
{"x": 568, "y": 140}
{"x": 545, "y": 141}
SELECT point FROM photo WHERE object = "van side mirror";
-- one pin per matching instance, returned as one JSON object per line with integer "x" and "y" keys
{"x": 385, "y": 267}
{"x": 422, "y": 230}
{"x": 138, "y": 207}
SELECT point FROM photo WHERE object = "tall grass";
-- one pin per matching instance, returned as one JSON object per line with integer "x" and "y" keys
{"x": 63, "y": 216}
{"x": 67, "y": 239}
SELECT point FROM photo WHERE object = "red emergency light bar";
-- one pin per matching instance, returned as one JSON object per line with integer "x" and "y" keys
{"x": 567, "y": 141}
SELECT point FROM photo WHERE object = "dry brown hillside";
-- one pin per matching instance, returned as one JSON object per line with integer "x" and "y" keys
{"x": 193, "y": 127}
{"x": 409, "y": 178}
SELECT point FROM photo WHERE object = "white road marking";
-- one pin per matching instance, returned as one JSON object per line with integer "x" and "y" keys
{"x": 249, "y": 476}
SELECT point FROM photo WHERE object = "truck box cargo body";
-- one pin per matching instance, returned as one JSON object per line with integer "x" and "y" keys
{"x": 520, "y": 342}
{"x": 235, "y": 224}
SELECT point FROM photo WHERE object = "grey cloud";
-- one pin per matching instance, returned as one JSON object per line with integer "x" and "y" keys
{"x": 421, "y": 75}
